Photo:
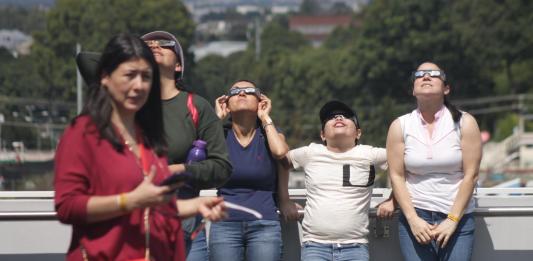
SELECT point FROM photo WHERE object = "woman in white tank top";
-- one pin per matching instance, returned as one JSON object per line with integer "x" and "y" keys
{"x": 434, "y": 154}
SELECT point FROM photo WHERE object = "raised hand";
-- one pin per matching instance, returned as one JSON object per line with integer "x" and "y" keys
{"x": 386, "y": 209}
{"x": 264, "y": 107}
{"x": 221, "y": 107}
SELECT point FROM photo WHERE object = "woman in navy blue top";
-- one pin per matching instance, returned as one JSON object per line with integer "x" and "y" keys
{"x": 254, "y": 145}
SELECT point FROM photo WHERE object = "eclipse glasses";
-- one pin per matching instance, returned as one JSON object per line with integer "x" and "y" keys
{"x": 247, "y": 90}
{"x": 431, "y": 73}
{"x": 160, "y": 43}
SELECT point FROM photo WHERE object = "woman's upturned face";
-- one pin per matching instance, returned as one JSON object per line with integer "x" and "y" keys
{"x": 428, "y": 86}
{"x": 164, "y": 55}
{"x": 129, "y": 85}
{"x": 243, "y": 101}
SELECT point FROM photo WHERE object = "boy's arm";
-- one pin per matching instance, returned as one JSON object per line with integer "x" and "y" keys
{"x": 386, "y": 208}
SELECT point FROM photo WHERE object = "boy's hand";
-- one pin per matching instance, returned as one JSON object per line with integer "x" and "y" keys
{"x": 386, "y": 209}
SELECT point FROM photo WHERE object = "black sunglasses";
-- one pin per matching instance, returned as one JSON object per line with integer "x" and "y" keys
{"x": 342, "y": 115}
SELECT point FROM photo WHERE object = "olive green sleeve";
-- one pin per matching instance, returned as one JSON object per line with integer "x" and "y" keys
{"x": 216, "y": 169}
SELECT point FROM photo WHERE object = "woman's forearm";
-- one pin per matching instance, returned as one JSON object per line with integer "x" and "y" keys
{"x": 276, "y": 141}
{"x": 100, "y": 208}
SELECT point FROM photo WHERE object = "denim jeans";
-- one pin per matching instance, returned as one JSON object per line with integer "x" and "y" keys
{"x": 258, "y": 240}
{"x": 195, "y": 250}
{"x": 313, "y": 251}
{"x": 459, "y": 247}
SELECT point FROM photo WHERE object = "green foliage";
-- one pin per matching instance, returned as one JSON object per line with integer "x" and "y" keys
{"x": 485, "y": 47}
{"x": 211, "y": 77}
{"x": 342, "y": 37}
{"x": 24, "y": 19}
{"x": 368, "y": 67}
{"x": 92, "y": 23}
{"x": 505, "y": 126}
{"x": 310, "y": 7}
{"x": 496, "y": 34}
{"x": 277, "y": 40}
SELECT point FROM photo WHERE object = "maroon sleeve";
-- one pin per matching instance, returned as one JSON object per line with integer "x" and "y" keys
{"x": 71, "y": 180}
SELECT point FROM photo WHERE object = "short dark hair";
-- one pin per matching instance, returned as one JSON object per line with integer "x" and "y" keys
{"x": 118, "y": 50}
{"x": 244, "y": 80}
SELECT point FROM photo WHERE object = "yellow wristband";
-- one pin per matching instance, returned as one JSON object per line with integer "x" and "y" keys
{"x": 453, "y": 218}
{"x": 121, "y": 201}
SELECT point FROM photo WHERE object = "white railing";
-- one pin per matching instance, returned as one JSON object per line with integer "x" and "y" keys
{"x": 504, "y": 224}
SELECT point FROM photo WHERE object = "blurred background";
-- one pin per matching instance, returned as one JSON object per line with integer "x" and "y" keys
{"x": 301, "y": 53}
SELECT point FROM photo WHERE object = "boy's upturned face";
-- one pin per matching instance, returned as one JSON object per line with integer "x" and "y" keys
{"x": 340, "y": 129}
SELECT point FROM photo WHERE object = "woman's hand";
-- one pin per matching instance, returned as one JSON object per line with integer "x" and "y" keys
{"x": 289, "y": 210}
{"x": 444, "y": 231}
{"x": 147, "y": 194}
{"x": 221, "y": 107}
{"x": 421, "y": 230}
{"x": 264, "y": 107}
{"x": 212, "y": 208}
{"x": 386, "y": 209}
{"x": 176, "y": 168}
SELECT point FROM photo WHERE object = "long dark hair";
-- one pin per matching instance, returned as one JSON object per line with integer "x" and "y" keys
{"x": 456, "y": 114}
{"x": 149, "y": 118}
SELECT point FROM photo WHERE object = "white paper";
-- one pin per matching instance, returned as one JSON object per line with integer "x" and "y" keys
{"x": 243, "y": 209}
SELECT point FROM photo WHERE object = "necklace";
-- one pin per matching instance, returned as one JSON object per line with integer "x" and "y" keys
{"x": 244, "y": 142}
{"x": 130, "y": 143}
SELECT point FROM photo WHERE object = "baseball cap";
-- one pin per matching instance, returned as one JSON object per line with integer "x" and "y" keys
{"x": 163, "y": 35}
{"x": 336, "y": 107}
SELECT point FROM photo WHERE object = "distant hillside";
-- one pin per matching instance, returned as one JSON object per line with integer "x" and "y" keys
{"x": 28, "y": 3}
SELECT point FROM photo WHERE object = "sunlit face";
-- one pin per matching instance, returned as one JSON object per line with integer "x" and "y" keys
{"x": 428, "y": 86}
{"x": 129, "y": 85}
{"x": 340, "y": 128}
{"x": 243, "y": 101}
{"x": 164, "y": 56}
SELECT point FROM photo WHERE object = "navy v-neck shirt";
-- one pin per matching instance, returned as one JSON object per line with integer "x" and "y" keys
{"x": 253, "y": 181}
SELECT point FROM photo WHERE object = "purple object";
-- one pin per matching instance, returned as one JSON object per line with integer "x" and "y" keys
{"x": 197, "y": 152}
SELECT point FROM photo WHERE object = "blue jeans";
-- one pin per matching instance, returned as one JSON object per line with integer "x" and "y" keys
{"x": 313, "y": 251}
{"x": 195, "y": 250}
{"x": 258, "y": 240}
{"x": 459, "y": 247}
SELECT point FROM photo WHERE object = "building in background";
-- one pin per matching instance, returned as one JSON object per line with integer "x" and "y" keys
{"x": 221, "y": 48}
{"x": 15, "y": 41}
{"x": 317, "y": 28}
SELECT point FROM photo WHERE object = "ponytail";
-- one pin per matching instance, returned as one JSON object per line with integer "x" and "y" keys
{"x": 456, "y": 114}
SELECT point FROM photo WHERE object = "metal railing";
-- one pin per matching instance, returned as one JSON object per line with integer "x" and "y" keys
{"x": 379, "y": 194}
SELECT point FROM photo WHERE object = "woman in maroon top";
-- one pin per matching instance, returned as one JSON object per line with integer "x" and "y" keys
{"x": 110, "y": 160}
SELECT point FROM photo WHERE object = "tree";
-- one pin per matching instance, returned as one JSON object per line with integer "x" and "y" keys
{"x": 398, "y": 35}
{"x": 24, "y": 19}
{"x": 310, "y": 7}
{"x": 211, "y": 77}
{"x": 498, "y": 34}
{"x": 92, "y": 23}
{"x": 340, "y": 8}
{"x": 342, "y": 37}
